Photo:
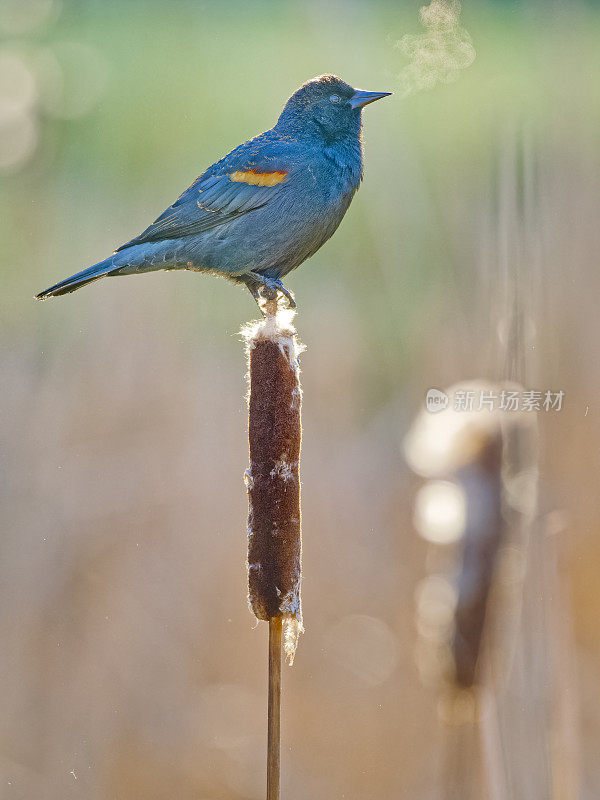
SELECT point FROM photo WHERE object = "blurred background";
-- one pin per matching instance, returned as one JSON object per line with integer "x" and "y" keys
{"x": 130, "y": 665}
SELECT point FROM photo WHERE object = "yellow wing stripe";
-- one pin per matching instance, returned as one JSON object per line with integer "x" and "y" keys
{"x": 258, "y": 178}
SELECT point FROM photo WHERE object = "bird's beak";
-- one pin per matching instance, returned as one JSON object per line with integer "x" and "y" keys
{"x": 360, "y": 98}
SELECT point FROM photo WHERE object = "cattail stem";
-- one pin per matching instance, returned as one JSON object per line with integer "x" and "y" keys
{"x": 274, "y": 709}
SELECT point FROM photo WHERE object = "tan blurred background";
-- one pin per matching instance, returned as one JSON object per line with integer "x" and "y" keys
{"x": 130, "y": 665}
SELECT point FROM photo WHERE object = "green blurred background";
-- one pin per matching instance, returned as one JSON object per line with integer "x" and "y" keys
{"x": 130, "y": 666}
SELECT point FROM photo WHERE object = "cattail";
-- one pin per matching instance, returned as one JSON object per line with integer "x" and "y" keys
{"x": 465, "y": 449}
{"x": 481, "y": 482}
{"x": 273, "y": 483}
{"x": 464, "y": 605}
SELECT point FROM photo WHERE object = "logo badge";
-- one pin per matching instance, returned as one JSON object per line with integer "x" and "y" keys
{"x": 436, "y": 400}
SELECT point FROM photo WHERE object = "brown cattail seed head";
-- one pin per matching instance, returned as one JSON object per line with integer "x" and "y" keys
{"x": 470, "y": 450}
{"x": 481, "y": 482}
{"x": 272, "y": 479}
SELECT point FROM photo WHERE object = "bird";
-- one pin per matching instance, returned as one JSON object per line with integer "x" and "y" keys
{"x": 263, "y": 209}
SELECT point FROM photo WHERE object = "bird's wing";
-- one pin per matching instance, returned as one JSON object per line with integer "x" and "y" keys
{"x": 238, "y": 184}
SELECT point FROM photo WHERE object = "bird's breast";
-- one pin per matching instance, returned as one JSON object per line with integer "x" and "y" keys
{"x": 330, "y": 181}
{"x": 344, "y": 163}
{"x": 310, "y": 208}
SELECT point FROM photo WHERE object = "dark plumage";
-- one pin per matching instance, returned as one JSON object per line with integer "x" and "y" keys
{"x": 262, "y": 210}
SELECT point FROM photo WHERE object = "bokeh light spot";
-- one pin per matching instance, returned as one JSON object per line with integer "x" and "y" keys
{"x": 18, "y": 140}
{"x": 440, "y": 512}
{"x": 73, "y": 78}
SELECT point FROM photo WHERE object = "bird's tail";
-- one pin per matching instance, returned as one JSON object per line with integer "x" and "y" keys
{"x": 79, "y": 279}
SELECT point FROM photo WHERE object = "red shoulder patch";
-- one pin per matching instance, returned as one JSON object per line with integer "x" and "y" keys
{"x": 255, "y": 178}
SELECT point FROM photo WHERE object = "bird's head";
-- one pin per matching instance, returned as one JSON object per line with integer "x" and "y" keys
{"x": 326, "y": 107}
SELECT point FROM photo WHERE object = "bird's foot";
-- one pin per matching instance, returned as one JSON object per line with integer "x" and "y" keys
{"x": 276, "y": 286}
{"x": 266, "y": 292}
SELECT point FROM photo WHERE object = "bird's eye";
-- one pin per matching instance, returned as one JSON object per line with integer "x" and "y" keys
{"x": 335, "y": 98}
